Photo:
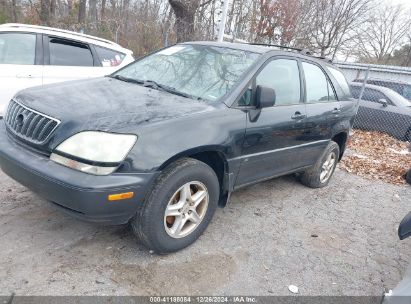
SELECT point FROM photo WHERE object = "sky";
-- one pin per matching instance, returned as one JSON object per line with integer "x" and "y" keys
{"x": 405, "y": 3}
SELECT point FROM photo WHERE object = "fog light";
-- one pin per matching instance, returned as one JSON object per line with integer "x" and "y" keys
{"x": 120, "y": 196}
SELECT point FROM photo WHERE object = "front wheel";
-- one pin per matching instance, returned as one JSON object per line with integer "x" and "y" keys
{"x": 179, "y": 208}
{"x": 320, "y": 174}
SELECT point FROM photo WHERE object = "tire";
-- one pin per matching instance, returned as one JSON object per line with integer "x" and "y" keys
{"x": 408, "y": 177}
{"x": 160, "y": 233}
{"x": 313, "y": 177}
{"x": 407, "y": 136}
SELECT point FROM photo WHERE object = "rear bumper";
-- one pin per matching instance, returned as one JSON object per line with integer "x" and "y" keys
{"x": 81, "y": 195}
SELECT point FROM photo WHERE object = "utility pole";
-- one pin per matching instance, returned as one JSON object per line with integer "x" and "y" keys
{"x": 223, "y": 20}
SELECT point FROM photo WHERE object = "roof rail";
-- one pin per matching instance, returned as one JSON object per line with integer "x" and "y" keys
{"x": 302, "y": 51}
{"x": 276, "y": 45}
{"x": 57, "y": 30}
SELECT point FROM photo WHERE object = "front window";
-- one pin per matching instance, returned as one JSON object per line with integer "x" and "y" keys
{"x": 283, "y": 76}
{"x": 203, "y": 72}
{"x": 17, "y": 48}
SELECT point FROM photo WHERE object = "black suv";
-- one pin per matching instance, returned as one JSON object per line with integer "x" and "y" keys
{"x": 164, "y": 141}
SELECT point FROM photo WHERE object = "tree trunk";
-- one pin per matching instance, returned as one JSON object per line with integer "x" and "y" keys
{"x": 53, "y": 4}
{"x": 69, "y": 6}
{"x": 185, "y": 15}
{"x": 82, "y": 11}
{"x": 92, "y": 10}
{"x": 103, "y": 9}
{"x": 45, "y": 11}
{"x": 14, "y": 4}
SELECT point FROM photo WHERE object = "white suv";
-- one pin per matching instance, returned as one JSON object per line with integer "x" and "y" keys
{"x": 35, "y": 55}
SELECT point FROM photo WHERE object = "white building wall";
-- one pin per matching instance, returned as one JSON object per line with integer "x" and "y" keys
{"x": 358, "y": 70}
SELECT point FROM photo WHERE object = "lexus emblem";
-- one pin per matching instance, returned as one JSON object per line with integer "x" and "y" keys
{"x": 20, "y": 120}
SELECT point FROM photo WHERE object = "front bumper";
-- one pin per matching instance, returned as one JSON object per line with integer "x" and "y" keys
{"x": 81, "y": 195}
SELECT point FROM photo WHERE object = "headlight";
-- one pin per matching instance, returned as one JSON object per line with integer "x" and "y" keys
{"x": 94, "y": 152}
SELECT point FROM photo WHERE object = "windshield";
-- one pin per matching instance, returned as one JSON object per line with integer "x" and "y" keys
{"x": 398, "y": 99}
{"x": 203, "y": 72}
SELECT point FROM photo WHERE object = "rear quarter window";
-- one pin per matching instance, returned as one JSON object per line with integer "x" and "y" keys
{"x": 109, "y": 58}
{"x": 341, "y": 80}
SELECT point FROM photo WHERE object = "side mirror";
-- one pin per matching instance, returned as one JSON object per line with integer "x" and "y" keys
{"x": 383, "y": 102}
{"x": 404, "y": 230}
{"x": 265, "y": 97}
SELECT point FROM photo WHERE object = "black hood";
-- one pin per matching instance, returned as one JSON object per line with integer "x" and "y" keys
{"x": 107, "y": 104}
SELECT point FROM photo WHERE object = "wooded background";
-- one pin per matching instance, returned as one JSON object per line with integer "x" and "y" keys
{"x": 364, "y": 30}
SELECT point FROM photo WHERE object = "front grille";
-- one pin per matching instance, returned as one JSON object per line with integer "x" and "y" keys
{"x": 28, "y": 124}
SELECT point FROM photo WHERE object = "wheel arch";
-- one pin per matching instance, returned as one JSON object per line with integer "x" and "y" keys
{"x": 341, "y": 139}
{"x": 216, "y": 159}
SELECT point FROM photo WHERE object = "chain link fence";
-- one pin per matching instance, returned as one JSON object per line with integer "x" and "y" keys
{"x": 384, "y": 95}
{"x": 380, "y": 145}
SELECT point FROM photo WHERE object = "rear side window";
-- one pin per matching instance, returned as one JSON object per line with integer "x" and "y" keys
{"x": 407, "y": 92}
{"x": 340, "y": 79}
{"x": 374, "y": 96}
{"x": 283, "y": 76}
{"x": 17, "y": 49}
{"x": 69, "y": 53}
{"x": 109, "y": 58}
{"x": 317, "y": 86}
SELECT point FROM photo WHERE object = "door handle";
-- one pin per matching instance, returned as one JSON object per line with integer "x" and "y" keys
{"x": 298, "y": 116}
{"x": 336, "y": 111}
{"x": 24, "y": 75}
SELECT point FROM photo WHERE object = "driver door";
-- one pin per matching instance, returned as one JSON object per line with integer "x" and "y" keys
{"x": 274, "y": 139}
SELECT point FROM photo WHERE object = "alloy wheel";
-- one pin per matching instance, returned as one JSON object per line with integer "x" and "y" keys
{"x": 328, "y": 167}
{"x": 186, "y": 209}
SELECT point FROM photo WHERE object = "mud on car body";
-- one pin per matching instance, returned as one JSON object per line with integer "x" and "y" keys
{"x": 164, "y": 141}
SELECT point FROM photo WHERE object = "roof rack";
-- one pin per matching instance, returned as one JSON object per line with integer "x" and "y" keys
{"x": 302, "y": 51}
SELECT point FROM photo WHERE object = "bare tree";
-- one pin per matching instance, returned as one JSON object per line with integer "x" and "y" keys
{"x": 385, "y": 31}
{"x": 185, "y": 12}
{"x": 325, "y": 24}
{"x": 81, "y": 11}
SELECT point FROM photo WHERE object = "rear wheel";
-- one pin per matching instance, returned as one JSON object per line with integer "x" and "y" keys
{"x": 408, "y": 177}
{"x": 179, "y": 208}
{"x": 320, "y": 174}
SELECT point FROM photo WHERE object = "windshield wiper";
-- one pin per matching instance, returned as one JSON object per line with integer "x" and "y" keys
{"x": 125, "y": 79}
{"x": 155, "y": 85}
{"x": 162, "y": 87}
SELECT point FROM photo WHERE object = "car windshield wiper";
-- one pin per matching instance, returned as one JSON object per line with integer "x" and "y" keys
{"x": 155, "y": 85}
{"x": 125, "y": 79}
{"x": 158, "y": 86}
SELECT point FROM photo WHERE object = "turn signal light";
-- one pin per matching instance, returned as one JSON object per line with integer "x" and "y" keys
{"x": 120, "y": 196}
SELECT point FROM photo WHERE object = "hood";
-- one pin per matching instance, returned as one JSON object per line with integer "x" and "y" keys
{"x": 107, "y": 104}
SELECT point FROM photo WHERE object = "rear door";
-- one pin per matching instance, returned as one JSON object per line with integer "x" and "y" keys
{"x": 323, "y": 108}
{"x": 20, "y": 64}
{"x": 69, "y": 60}
{"x": 274, "y": 140}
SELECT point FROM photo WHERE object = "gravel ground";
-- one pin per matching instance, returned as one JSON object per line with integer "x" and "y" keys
{"x": 340, "y": 240}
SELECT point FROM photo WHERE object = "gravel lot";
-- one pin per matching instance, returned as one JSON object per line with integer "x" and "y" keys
{"x": 263, "y": 241}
